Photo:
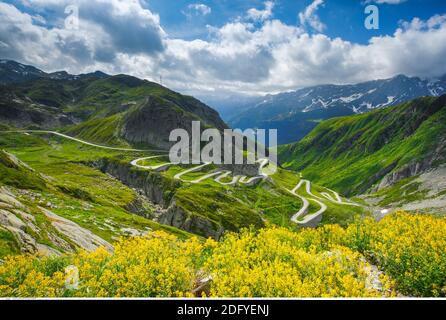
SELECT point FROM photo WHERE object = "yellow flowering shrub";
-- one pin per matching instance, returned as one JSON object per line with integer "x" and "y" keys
{"x": 330, "y": 261}
{"x": 274, "y": 263}
{"x": 26, "y": 276}
{"x": 411, "y": 248}
{"x": 159, "y": 266}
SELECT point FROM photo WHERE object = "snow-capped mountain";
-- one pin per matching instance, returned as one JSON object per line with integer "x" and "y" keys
{"x": 14, "y": 72}
{"x": 296, "y": 113}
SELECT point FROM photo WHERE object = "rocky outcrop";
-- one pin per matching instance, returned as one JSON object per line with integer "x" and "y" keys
{"x": 83, "y": 238}
{"x": 22, "y": 112}
{"x": 17, "y": 219}
{"x": 176, "y": 217}
{"x": 407, "y": 171}
{"x": 416, "y": 168}
{"x": 150, "y": 184}
{"x": 152, "y": 122}
{"x": 10, "y": 213}
{"x": 142, "y": 207}
{"x": 250, "y": 170}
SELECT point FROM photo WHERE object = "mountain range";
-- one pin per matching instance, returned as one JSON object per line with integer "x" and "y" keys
{"x": 294, "y": 114}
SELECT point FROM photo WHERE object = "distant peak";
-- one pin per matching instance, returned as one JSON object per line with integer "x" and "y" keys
{"x": 59, "y": 73}
{"x": 100, "y": 73}
{"x": 400, "y": 77}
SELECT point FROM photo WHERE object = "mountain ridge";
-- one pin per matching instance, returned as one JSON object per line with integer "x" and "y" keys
{"x": 13, "y": 72}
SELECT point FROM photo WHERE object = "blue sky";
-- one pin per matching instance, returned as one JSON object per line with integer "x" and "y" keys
{"x": 344, "y": 18}
{"x": 217, "y": 48}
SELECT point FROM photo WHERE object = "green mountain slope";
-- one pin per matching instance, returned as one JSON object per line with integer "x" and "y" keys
{"x": 353, "y": 154}
{"x": 51, "y": 201}
{"x": 82, "y": 105}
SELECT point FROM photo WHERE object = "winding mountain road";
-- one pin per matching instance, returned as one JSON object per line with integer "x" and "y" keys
{"x": 302, "y": 217}
{"x": 305, "y": 204}
{"x": 82, "y": 141}
{"x": 159, "y": 167}
{"x": 338, "y": 199}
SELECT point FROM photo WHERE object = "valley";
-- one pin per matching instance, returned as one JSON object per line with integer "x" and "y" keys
{"x": 217, "y": 181}
{"x": 86, "y": 182}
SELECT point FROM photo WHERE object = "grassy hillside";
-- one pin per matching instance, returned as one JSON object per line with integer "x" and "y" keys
{"x": 38, "y": 174}
{"x": 351, "y": 154}
{"x": 100, "y": 130}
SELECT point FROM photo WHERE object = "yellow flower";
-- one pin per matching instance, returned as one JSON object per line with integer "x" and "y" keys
{"x": 409, "y": 252}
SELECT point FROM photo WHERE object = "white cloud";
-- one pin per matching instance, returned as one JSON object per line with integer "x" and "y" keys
{"x": 197, "y": 9}
{"x": 310, "y": 18}
{"x": 240, "y": 56}
{"x": 261, "y": 15}
{"x": 106, "y": 27}
{"x": 279, "y": 57}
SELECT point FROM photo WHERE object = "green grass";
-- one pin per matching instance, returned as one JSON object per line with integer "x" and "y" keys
{"x": 19, "y": 177}
{"x": 100, "y": 130}
{"x": 8, "y": 244}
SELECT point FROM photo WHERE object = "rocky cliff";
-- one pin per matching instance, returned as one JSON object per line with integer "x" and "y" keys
{"x": 152, "y": 121}
{"x": 161, "y": 191}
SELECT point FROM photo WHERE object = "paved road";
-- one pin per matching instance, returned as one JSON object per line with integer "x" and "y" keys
{"x": 338, "y": 199}
{"x": 219, "y": 175}
{"x": 306, "y": 204}
{"x": 82, "y": 141}
{"x": 302, "y": 217}
{"x": 159, "y": 167}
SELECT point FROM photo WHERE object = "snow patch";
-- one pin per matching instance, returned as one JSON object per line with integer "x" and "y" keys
{"x": 390, "y": 100}
{"x": 306, "y": 94}
{"x": 368, "y": 105}
{"x": 351, "y": 98}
